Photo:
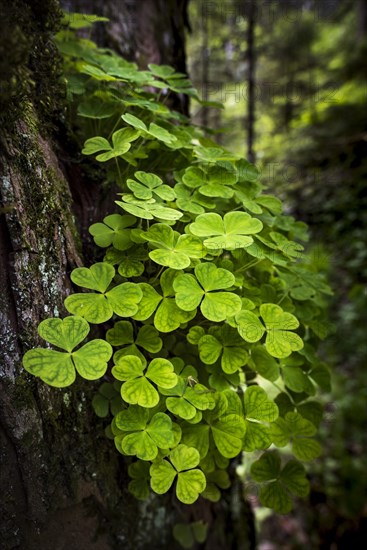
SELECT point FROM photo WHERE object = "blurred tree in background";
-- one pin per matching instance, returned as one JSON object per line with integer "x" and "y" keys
{"x": 310, "y": 143}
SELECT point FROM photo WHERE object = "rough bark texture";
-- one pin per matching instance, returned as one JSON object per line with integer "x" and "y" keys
{"x": 63, "y": 484}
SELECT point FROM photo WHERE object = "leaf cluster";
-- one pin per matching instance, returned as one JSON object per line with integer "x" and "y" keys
{"x": 209, "y": 307}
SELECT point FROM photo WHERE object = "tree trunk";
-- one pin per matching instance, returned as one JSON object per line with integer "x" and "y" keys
{"x": 63, "y": 484}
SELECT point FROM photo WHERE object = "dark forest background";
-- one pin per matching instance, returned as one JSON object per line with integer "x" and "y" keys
{"x": 293, "y": 78}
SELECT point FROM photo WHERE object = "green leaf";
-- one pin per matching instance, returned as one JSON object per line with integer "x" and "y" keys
{"x": 161, "y": 372}
{"x": 297, "y": 380}
{"x": 58, "y": 369}
{"x": 147, "y": 437}
{"x": 249, "y": 326}
{"x": 53, "y": 367}
{"x": 258, "y": 406}
{"x": 280, "y": 342}
{"x": 124, "y": 299}
{"x": 140, "y": 391}
{"x": 96, "y": 144}
{"x": 122, "y": 333}
{"x": 148, "y": 303}
{"x": 275, "y": 496}
{"x": 81, "y": 20}
{"x": 172, "y": 250}
{"x": 97, "y": 107}
{"x": 228, "y": 432}
{"x": 183, "y": 535}
{"x": 149, "y": 186}
{"x": 298, "y": 430}
{"x": 264, "y": 364}
{"x": 139, "y": 485}
{"x": 162, "y": 71}
{"x": 91, "y": 360}
{"x": 197, "y": 436}
{"x": 64, "y": 333}
{"x": 113, "y": 232}
{"x": 306, "y": 449}
{"x": 229, "y": 233}
{"x": 216, "y": 306}
{"x": 267, "y": 467}
{"x": 210, "y": 349}
{"x": 100, "y": 405}
{"x": 184, "y": 458}
{"x": 169, "y": 316}
{"x": 180, "y": 407}
{"x": 161, "y": 133}
{"x": 132, "y": 419}
{"x": 189, "y": 486}
{"x": 134, "y": 121}
{"x": 97, "y": 277}
{"x": 290, "y": 479}
{"x": 93, "y": 307}
{"x": 137, "y": 389}
{"x": 148, "y": 338}
{"x": 162, "y": 476}
{"x": 293, "y": 476}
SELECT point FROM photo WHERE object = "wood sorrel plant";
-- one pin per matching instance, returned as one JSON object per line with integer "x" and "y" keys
{"x": 214, "y": 310}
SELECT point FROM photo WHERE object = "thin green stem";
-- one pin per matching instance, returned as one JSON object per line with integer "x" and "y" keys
{"x": 249, "y": 265}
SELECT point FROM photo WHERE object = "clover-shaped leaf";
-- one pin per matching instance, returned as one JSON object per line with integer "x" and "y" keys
{"x": 259, "y": 412}
{"x": 215, "y": 306}
{"x": 216, "y": 480}
{"x": 108, "y": 399}
{"x": 279, "y": 484}
{"x": 113, "y": 231}
{"x": 121, "y": 140}
{"x": 138, "y": 388}
{"x": 249, "y": 326}
{"x": 299, "y": 431}
{"x": 148, "y": 209}
{"x": 58, "y": 368}
{"x": 98, "y": 308}
{"x": 190, "y": 480}
{"x": 170, "y": 248}
{"x": 226, "y": 344}
{"x": 184, "y": 401}
{"x": 191, "y": 201}
{"x": 229, "y": 233}
{"x": 280, "y": 342}
{"x": 150, "y": 185}
{"x": 187, "y": 534}
{"x": 146, "y": 435}
{"x": 227, "y": 431}
{"x": 97, "y": 277}
{"x": 139, "y": 484}
{"x": 122, "y": 334}
{"x": 168, "y": 316}
{"x": 263, "y": 363}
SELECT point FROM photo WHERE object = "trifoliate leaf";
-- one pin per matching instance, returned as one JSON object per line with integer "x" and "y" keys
{"x": 113, "y": 231}
{"x": 229, "y": 233}
{"x": 216, "y": 306}
{"x": 280, "y": 342}
{"x": 57, "y": 368}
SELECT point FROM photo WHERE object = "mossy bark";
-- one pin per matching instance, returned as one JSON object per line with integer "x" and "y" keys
{"x": 63, "y": 484}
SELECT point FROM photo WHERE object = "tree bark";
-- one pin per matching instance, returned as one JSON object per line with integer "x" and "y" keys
{"x": 63, "y": 484}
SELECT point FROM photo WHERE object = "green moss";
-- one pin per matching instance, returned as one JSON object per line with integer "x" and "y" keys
{"x": 30, "y": 66}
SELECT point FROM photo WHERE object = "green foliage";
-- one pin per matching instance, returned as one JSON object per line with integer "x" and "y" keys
{"x": 189, "y": 298}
